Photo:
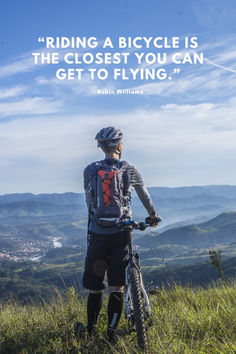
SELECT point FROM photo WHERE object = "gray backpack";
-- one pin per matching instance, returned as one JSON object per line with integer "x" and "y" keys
{"x": 110, "y": 197}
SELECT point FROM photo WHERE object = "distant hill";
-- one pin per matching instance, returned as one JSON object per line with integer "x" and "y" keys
{"x": 222, "y": 220}
{"x": 52, "y": 198}
{"x": 187, "y": 192}
{"x": 35, "y": 208}
{"x": 185, "y": 205}
{"x": 218, "y": 231}
{"x": 178, "y": 206}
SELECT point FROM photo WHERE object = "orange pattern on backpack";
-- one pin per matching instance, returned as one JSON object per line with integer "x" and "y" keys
{"x": 106, "y": 185}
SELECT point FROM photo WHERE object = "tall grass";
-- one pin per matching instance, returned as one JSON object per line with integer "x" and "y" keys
{"x": 185, "y": 320}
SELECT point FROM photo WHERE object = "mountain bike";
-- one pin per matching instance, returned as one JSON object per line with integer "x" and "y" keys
{"x": 137, "y": 305}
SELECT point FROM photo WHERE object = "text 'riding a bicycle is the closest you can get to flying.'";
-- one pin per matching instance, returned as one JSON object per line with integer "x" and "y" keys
{"x": 82, "y": 58}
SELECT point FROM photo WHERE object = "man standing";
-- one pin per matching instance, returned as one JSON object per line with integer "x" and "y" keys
{"x": 108, "y": 185}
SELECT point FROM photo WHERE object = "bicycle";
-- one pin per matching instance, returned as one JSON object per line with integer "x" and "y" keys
{"x": 137, "y": 305}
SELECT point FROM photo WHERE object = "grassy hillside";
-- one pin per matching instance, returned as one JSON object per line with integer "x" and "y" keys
{"x": 185, "y": 320}
{"x": 35, "y": 282}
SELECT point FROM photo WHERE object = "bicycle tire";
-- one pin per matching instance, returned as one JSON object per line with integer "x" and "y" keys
{"x": 139, "y": 317}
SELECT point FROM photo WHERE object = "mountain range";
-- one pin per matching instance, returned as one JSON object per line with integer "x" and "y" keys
{"x": 177, "y": 206}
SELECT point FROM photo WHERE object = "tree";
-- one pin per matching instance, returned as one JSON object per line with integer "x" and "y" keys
{"x": 215, "y": 260}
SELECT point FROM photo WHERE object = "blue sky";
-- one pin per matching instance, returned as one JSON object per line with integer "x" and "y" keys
{"x": 179, "y": 132}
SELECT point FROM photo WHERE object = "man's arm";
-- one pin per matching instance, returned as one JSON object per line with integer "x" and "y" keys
{"x": 141, "y": 190}
{"x": 87, "y": 176}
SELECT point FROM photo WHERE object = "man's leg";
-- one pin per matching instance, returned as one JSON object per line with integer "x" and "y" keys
{"x": 93, "y": 277}
{"x": 115, "y": 306}
{"x": 119, "y": 257}
{"x": 94, "y": 306}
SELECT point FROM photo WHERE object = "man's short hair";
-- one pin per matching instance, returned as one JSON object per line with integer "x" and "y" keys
{"x": 107, "y": 148}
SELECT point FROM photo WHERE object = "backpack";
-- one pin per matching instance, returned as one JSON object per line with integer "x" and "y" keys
{"x": 110, "y": 200}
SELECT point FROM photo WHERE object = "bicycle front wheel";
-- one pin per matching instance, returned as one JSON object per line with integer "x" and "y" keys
{"x": 139, "y": 317}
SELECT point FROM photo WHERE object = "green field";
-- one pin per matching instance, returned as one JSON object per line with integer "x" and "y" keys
{"x": 185, "y": 320}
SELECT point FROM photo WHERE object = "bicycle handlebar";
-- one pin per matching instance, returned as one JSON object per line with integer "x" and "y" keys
{"x": 131, "y": 224}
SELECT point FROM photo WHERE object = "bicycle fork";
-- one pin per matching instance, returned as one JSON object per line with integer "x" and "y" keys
{"x": 147, "y": 306}
{"x": 128, "y": 297}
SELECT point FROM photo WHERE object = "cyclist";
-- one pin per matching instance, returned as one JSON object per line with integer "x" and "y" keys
{"x": 107, "y": 185}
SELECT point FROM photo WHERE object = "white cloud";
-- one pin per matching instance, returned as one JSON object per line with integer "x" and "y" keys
{"x": 220, "y": 66}
{"x": 19, "y": 65}
{"x": 29, "y": 106}
{"x": 171, "y": 146}
{"x": 12, "y": 91}
{"x": 225, "y": 56}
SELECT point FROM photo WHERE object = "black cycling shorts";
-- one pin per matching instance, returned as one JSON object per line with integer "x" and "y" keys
{"x": 106, "y": 253}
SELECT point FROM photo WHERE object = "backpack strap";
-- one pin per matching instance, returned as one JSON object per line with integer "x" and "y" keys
{"x": 106, "y": 184}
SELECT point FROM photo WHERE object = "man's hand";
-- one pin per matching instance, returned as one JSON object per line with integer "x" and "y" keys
{"x": 153, "y": 220}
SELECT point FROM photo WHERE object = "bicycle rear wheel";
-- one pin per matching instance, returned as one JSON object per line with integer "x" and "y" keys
{"x": 139, "y": 316}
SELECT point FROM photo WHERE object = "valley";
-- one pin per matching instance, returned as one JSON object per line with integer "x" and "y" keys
{"x": 43, "y": 239}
